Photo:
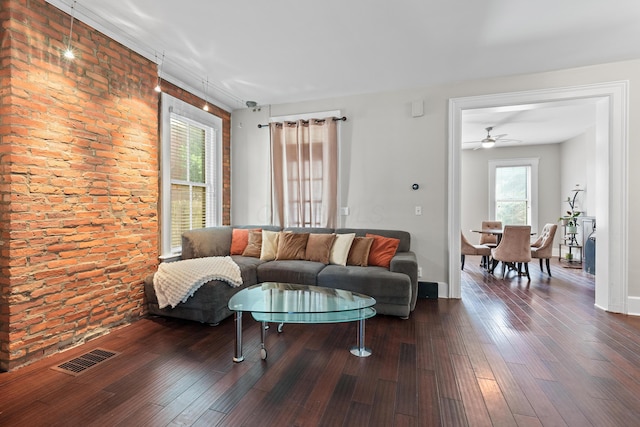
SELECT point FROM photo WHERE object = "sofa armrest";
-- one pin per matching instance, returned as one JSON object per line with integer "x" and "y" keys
{"x": 407, "y": 263}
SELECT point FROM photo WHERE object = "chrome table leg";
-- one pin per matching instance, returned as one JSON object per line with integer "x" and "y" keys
{"x": 360, "y": 350}
{"x": 238, "y": 351}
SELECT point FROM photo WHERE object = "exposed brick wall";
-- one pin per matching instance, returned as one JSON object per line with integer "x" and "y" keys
{"x": 4, "y": 183}
{"x": 78, "y": 182}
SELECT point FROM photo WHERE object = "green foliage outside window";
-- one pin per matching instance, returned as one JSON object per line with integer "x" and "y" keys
{"x": 512, "y": 194}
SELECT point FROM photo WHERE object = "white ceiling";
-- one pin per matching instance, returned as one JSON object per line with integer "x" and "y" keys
{"x": 531, "y": 124}
{"x": 282, "y": 51}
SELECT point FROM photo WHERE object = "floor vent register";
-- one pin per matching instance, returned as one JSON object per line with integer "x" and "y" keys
{"x": 86, "y": 361}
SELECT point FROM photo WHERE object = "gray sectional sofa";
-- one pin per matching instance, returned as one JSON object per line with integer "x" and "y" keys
{"x": 395, "y": 289}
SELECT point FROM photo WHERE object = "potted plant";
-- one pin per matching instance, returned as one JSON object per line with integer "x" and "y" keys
{"x": 570, "y": 219}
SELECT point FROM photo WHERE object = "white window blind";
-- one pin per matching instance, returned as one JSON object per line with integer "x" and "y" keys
{"x": 191, "y": 171}
{"x": 191, "y": 185}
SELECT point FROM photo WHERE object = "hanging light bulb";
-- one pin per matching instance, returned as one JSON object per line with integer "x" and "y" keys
{"x": 206, "y": 102}
{"x": 68, "y": 53}
{"x": 158, "y": 88}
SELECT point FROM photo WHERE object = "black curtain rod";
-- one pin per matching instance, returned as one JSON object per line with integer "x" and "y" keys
{"x": 335, "y": 119}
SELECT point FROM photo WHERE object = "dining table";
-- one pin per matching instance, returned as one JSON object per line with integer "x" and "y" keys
{"x": 498, "y": 232}
{"x": 493, "y": 231}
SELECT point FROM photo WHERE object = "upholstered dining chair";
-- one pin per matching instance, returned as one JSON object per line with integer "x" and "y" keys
{"x": 543, "y": 247}
{"x": 490, "y": 240}
{"x": 466, "y": 248}
{"x": 514, "y": 248}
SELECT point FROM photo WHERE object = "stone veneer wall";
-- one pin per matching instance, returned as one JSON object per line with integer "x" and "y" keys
{"x": 78, "y": 182}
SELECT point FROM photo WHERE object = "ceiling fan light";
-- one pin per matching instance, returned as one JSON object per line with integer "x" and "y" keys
{"x": 488, "y": 143}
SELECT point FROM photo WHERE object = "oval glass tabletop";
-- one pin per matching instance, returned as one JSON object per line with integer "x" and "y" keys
{"x": 271, "y": 297}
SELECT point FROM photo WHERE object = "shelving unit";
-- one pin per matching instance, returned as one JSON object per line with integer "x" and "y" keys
{"x": 569, "y": 242}
{"x": 571, "y": 246}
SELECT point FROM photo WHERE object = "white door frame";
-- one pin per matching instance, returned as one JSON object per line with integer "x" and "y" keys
{"x": 611, "y": 176}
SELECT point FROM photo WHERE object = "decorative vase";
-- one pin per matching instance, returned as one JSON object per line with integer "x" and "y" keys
{"x": 572, "y": 229}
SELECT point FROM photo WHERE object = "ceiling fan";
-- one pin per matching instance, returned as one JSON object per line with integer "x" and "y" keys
{"x": 490, "y": 141}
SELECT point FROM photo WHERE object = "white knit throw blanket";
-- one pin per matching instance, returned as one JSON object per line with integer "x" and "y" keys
{"x": 175, "y": 282}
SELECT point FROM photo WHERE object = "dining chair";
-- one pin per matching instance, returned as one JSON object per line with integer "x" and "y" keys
{"x": 514, "y": 249}
{"x": 543, "y": 247}
{"x": 490, "y": 240}
{"x": 467, "y": 248}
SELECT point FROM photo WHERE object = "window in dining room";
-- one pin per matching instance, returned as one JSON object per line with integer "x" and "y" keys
{"x": 514, "y": 191}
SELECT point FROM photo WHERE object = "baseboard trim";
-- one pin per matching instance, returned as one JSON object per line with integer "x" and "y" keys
{"x": 443, "y": 290}
{"x": 633, "y": 306}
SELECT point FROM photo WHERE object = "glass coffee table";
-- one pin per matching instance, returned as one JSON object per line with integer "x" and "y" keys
{"x": 272, "y": 302}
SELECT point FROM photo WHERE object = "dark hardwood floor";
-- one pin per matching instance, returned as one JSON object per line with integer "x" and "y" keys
{"x": 509, "y": 353}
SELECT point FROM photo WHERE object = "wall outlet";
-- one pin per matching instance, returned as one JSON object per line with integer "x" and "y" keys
{"x": 419, "y": 271}
{"x": 344, "y": 211}
{"x": 418, "y": 210}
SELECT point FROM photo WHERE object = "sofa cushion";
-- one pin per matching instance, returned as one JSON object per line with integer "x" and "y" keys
{"x": 340, "y": 248}
{"x": 289, "y": 271}
{"x": 359, "y": 253}
{"x": 254, "y": 244}
{"x": 319, "y": 247}
{"x": 382, "y": 250}
{"x": 248, "y": 268}
{"x": 385, "y": 286}
{"x": 206, "y": 242}
{"x": 292, "y": 245}
{"x": 209, "y": 303}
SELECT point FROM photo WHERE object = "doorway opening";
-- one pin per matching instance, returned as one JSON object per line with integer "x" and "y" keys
{"x": 611, "y": 178}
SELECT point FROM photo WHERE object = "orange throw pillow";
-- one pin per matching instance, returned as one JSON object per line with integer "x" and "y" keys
{"x": 382, "y": 250}
{"x": 239, "y": 240}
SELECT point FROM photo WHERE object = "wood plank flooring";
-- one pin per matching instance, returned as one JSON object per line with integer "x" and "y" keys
{"x": 509, "y": 353}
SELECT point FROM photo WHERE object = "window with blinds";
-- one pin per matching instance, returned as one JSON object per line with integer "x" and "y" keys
{"x": 190, "y": 170}
{"x": 190, "y": 187}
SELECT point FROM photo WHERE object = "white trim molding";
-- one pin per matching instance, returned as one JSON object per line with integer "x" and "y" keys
{"x": 612, "y": 176}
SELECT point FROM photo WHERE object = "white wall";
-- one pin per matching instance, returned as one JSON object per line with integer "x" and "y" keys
{"x": 578, "y": 166}
{"x": 385, "y": 150}
{"x": 474, "y": 201}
